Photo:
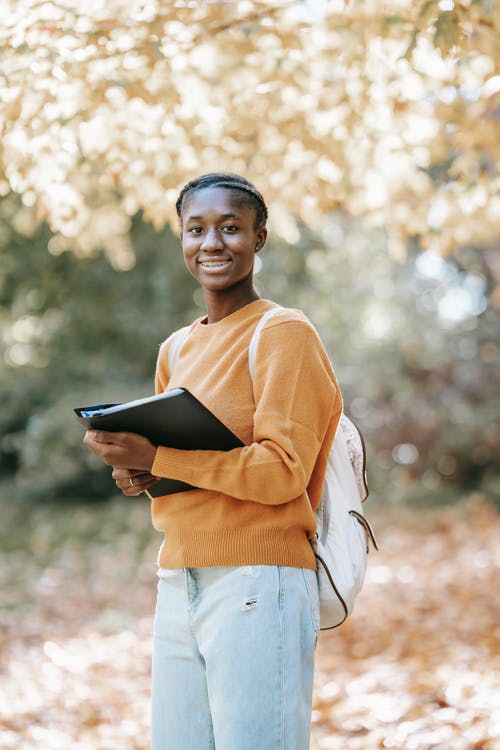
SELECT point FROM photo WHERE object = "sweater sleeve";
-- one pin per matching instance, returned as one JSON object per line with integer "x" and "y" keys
{"x": 297, "y": 398}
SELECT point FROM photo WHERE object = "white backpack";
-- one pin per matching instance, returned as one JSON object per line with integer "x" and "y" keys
{"x": 341, "y": 543}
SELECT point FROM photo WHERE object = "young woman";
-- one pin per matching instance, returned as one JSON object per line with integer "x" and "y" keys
{"x": 237, "y": 615}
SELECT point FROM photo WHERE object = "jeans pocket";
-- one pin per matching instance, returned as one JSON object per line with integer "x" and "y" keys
{"x": 311, "y": 584}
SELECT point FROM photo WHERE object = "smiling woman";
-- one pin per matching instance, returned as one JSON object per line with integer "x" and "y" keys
{"x": 237, "y": 614}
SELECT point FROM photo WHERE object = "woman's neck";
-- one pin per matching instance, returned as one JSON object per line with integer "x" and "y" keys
{"x": 221, "y": 304}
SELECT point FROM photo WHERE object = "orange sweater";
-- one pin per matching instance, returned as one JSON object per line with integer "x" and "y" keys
{"x": 252, "y": 508}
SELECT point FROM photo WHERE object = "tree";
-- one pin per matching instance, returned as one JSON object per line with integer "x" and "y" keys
{"x": 414, "y": 344}
{"x": 386, "y": 109}
{"x": 76, "y": 331}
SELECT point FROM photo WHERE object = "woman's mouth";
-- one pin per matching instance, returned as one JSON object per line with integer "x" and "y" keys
{"x": 214, "y": 265}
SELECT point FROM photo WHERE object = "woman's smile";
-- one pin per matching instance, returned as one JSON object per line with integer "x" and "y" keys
{"x": 215, "y": 266}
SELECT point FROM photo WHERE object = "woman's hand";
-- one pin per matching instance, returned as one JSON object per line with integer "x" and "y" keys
{"x": 130, "y": 455}
{"x": 121, "y": 450}
{"x": 132, "y": 482}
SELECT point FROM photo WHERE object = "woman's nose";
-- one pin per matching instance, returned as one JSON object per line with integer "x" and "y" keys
{"x": 212, "y": 240}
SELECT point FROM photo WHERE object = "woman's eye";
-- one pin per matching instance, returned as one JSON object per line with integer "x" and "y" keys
{"x": 195, "y": 230}
{"x": 230, "y": 228}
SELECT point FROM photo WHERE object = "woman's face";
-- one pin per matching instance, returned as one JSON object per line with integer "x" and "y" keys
{"x": 219, "y": 238}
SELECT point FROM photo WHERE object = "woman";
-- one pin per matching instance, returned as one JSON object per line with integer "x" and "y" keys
{"x": 237, "y": 615}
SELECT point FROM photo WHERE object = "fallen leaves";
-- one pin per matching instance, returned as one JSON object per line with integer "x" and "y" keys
{"x": 415, "y": 668}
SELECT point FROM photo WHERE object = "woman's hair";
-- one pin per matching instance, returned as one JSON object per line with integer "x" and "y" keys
{"x": 247, "y": 193}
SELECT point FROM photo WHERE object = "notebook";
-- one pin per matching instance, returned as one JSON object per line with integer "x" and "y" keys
{"x": 174, "y": 418}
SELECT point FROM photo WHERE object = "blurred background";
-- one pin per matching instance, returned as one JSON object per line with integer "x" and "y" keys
{"x": 415, "y": 343}
{"x": 372, "y": 130}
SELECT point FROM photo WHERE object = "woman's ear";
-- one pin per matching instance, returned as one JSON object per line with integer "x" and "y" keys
{"x": 261, "y": 239}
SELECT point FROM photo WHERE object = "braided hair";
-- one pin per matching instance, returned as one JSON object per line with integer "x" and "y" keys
{"x": 246, "y": 192}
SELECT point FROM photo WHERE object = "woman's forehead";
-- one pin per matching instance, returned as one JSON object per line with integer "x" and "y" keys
{"x": 216, "y": 200}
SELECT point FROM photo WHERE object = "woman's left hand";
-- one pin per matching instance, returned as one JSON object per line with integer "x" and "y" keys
{"x": 122, "y": 450}
{"x": 132, "y": 482}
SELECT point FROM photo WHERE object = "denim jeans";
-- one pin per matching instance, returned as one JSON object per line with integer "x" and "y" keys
{"x": 233, "y": 658}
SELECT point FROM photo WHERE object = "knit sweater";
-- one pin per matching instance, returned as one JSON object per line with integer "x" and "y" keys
{"x": 255, "y": 504}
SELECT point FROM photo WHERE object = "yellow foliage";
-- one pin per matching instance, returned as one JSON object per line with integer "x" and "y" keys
{"x": 331, "y": 105}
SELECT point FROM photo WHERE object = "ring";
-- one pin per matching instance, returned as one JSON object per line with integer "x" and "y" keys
{"x": 131, "y": 481}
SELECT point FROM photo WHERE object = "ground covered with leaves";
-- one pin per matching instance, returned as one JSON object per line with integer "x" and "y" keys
{"x": 416, "y": 668}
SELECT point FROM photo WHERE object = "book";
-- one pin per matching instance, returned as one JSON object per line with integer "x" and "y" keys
{"x": 175, "y": 419}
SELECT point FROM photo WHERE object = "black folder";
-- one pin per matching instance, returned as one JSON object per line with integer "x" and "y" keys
{"x": 174, "y": 418}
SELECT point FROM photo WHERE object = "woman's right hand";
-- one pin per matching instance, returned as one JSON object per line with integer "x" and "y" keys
{"x": 132, "y": 481}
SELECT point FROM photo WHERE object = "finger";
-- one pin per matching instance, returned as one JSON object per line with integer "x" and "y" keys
{"x": 135, "y": 452}
{"x": 94, "y": 444}
{"x": 130, "y": 476}
{"x": 132, "y": 491}
{"x": 138, "y": 480}
{"x": 95, "y": 436}
{"x": 112, "y": 455}
{"x": 140, "y": 484}
{"x": 126, "y": 473}
{"x": 103, "y": 436}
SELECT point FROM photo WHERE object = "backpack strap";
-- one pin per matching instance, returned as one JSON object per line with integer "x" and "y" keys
{"x": 357, "y": 454}
{"x": 254, "y": 341}
{"x": 352, "y": 436}
{"x": 176, "y": 342}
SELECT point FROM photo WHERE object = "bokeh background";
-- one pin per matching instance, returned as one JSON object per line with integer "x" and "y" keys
{"x": 372, "y": 130}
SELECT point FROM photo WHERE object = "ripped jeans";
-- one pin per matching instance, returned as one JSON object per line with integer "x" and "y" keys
{"x": 233, "y": 658}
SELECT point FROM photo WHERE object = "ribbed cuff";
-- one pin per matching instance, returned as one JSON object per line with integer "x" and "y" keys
{"x": 173, "y": 464}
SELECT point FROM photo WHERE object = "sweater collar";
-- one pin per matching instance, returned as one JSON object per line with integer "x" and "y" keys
{"x": 247, "y": 311}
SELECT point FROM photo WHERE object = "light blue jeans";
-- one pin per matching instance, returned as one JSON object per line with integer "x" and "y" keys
{"x": 233, "y": 658}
